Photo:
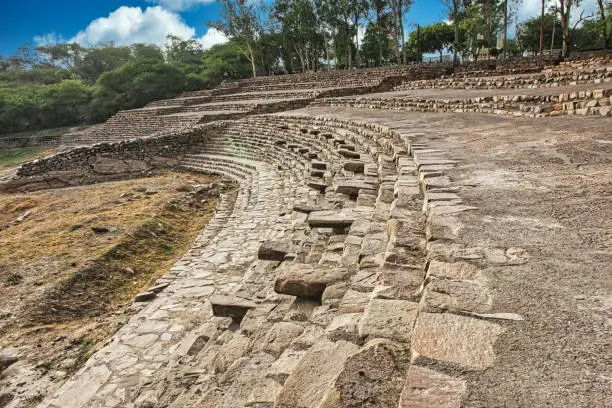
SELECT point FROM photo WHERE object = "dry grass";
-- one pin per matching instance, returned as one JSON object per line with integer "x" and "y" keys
{"x": 61, "y": 279}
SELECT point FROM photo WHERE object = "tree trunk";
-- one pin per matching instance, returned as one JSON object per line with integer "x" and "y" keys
{"x": 542, "y": 13}
{"x": 251, "y": 58}
{"x": 357, "y": 55}
{"x": 379, "y": 33}
{"x": 565, "y": 13}
{"x": 400, "y": 18}
{"x": 456, "y": 24}
{"x": 607, "y": 35}
{"x": 505, "y": 28}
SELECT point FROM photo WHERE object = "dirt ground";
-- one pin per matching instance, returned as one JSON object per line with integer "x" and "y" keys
{"x": 545, "y": 186}
{"x": 69, "y": 267}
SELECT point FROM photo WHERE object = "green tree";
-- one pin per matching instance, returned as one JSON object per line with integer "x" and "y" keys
{"x": 240, "y": 22}
{"x": 184, "y": 54}
{"x": 528, "y": 33}
{"x": 433, "y": 38}
{"x": 298, "y": 23}
{"x": 565, "y": 9}
{"x": 224, "y": 62}
{"x": 104, "y": 58}
{"x": 376, "y": 47}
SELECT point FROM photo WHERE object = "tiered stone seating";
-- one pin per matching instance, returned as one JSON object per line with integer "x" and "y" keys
{"x": 333, "y": 276}
{"x": 321, "y": 261}
{"x": 550, "y": 77}
{"x": 588, "y": 102}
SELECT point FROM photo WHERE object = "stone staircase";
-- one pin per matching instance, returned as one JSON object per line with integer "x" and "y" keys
{"x": 323, "y": 281}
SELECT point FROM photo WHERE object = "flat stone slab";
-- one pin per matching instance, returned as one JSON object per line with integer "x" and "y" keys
{"x": 315, "y": 373}
{"x": 231, "y": 306}
{"x": 307, "y": 280}
{"x": 426, "y": 388}
{"x": 459, "y": 340}
{"x": 353, "y": 187}
{"x": 389, "y": 319}
{"x": 330, "y": 219}
{"x": 274, "y": 250}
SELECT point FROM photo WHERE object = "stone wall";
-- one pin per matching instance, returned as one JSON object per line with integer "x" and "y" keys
{"x": 15, "y": 141}
{"x": 108, "y": 161}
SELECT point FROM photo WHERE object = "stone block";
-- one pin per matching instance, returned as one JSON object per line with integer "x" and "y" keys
{"x": 275, "y": 250}
{"x": 389, "y": 319}
{"x": 455, "y": 270}
{"x": 306, "y": 280}
{"x": 399, "y": 282}
{"x": 456, "y": 296}
{"x": 371, "y": 378}
{"x": 426, "y": 388}
{"x": 330, "y": 219}
{"x": 230, "y": 306}
{"x": 314, "y": 375}
{"x": 354, "y": 166}
{"x": 458, "y": 340}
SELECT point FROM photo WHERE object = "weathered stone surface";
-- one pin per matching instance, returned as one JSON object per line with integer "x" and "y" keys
{"x": 399, "y": 282}
{"x": 426, "y": 388}
{"x": 372, "y": 378}
{"x": 145, "y": 296}
{"x": 456, "y": 270}
{"x": 354, "y": 166}
{"x": 344, "y": 327}
{"x": 307, "y": 280}
{"x": 458, "y": 340}
{"x": 315, "y": 373}
{"x": 389, "y": 319}
{"x": 274, "y": 250}
{"x": 275, "y": 340}
{"x": 330, "y": 219}
{"x": 456, "y": 296}
{"x": 354, "y": 301}
{"x": 230, "y": 306}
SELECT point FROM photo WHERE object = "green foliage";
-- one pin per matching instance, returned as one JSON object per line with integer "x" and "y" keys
{"x": 223, "y": 62}
{"x": 376, "y": 47}
{"x": 184, "y": 54}
{"x": 432, "y": 38}
{"x": 96, "y": 61}
{"x": 137, "y": 83}
{"x": 528, "y": 33}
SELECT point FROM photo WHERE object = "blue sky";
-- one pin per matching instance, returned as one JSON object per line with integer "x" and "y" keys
{"x": 127, "y": 21}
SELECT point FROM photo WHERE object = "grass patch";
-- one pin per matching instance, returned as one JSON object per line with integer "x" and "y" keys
{"x": 14, "y": 157}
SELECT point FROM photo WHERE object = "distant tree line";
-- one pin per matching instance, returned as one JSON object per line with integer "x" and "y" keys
{"x": 67, "y": 84}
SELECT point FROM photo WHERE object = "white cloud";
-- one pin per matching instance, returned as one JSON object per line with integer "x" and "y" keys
{"x": 129, "y": 25}
{"x": 532, "y": 8}
{"x": 180, "y": 5}
{"x": 212, "y": 37}
{"x": 48, "y": 39}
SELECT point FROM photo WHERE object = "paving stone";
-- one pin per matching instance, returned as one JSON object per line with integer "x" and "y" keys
{"x": 315, "y": 373}
{"x": 456, "y": 296}
{"x": 458, "y": 340}
{"x": 306, "y": 280}
{"x": 388, "y": 318}
{"x": 371, "y": 378}
{"x": 426, "y": 388}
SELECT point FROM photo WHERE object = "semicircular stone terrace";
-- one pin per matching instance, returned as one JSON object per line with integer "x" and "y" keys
{"x": 335, "y": 275}
{"x": 313, "y": 286}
